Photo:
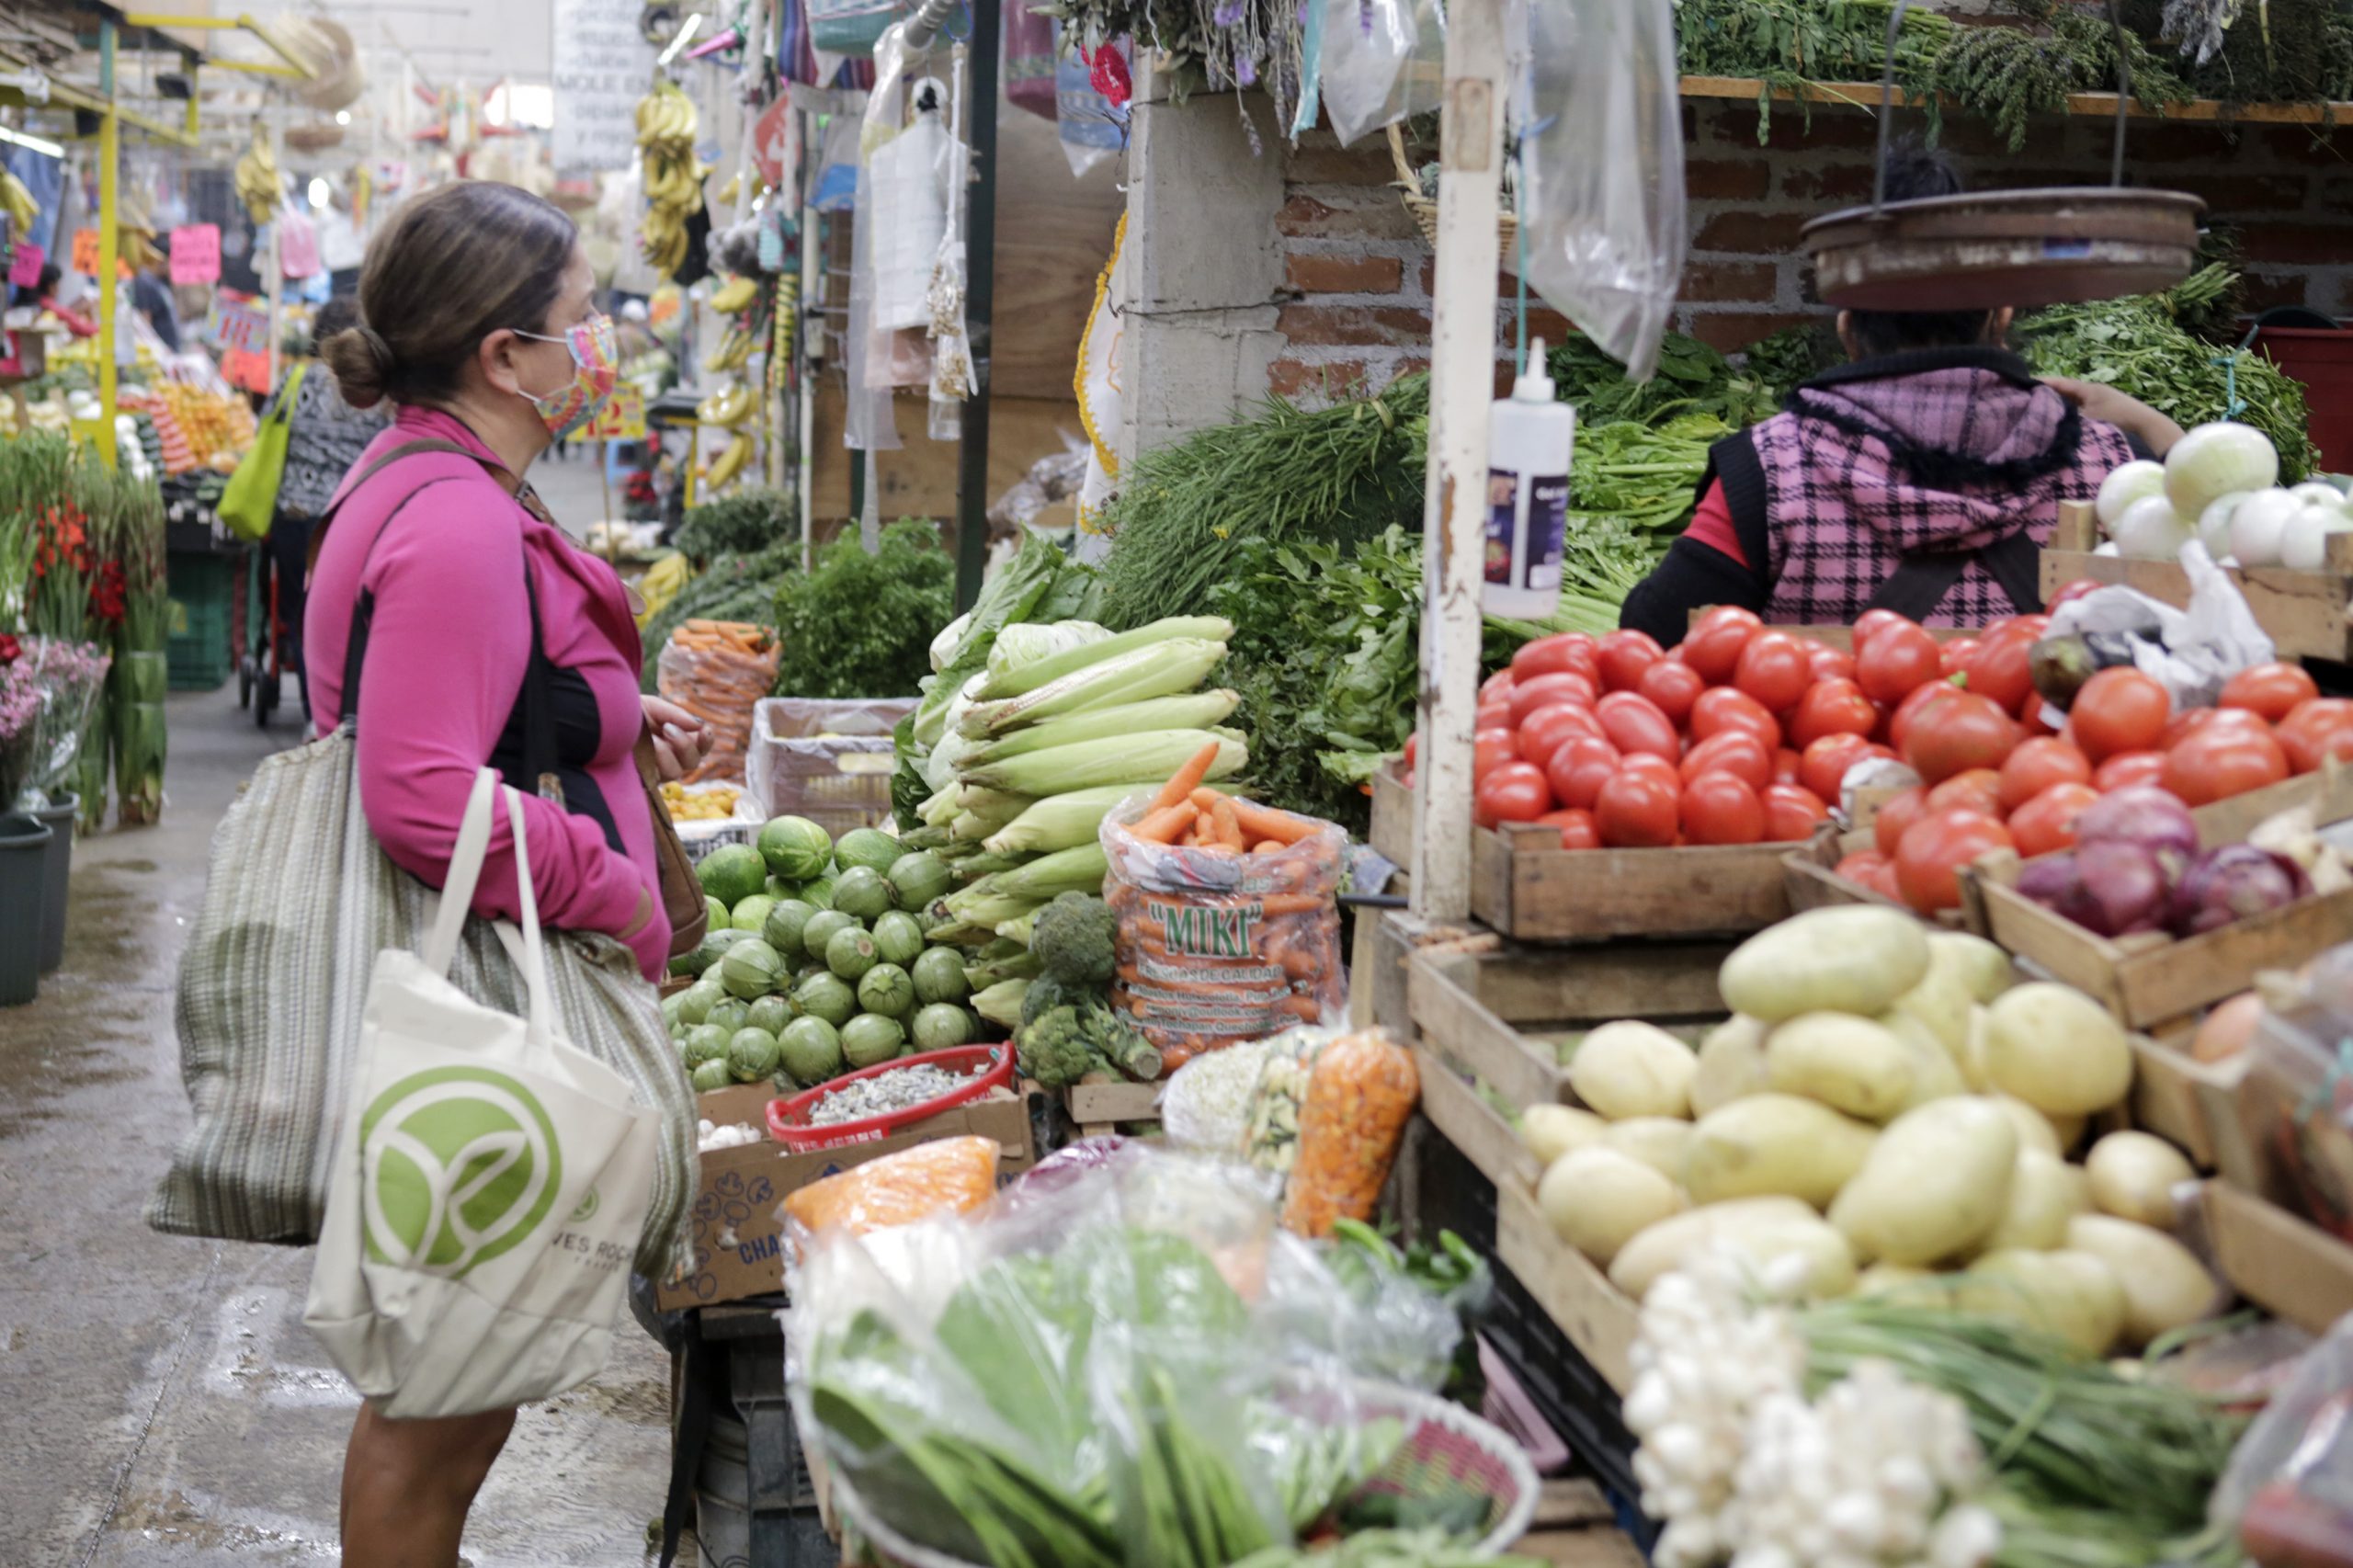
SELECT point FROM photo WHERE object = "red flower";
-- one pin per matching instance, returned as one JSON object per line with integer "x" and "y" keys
{"x": 1110, "y": 76}
{"x": 9, "y": 649}
{"x": 107, "y": 596}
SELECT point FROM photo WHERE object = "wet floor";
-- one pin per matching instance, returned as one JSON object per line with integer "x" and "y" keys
{"x": 160, "y": 1401}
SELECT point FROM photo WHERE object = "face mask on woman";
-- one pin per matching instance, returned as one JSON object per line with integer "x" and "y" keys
{"x": 596, "y": 367}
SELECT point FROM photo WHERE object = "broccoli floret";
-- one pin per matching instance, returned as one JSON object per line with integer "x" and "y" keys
{"x": 1053, "y": 1049}
{"x": 1043, "y": 996}
{"x": 1074, "y": 941}
{"x": 1120, "y": 1043}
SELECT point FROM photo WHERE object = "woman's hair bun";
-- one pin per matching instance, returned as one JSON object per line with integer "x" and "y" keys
{"x": 362, "y": 362}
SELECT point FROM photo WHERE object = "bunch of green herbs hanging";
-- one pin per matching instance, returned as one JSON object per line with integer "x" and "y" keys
{"x": 861, "y": 624}
{"x": 744, "y": 522}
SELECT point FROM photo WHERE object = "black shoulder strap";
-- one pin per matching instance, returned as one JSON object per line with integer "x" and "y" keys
{"x": 1916, "y": 586}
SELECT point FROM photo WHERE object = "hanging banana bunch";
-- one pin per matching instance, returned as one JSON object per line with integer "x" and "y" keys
{"x": 667, "y": 123}
{"x": 731, "y": 405}
{"x": 18, "y": 198}
{"x": 729, "y": 464}
{"x": 257, "y": 179}
{"x": 734, "y": 296}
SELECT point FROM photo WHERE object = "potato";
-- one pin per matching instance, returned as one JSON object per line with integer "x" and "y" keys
{"x": 1731, "y": 1065}
{"x": 1981, "y": 967}
{"x": 1759, "y": 1229}
{"x": 1909, "y": 1286}
{"x": 2074, "y": 1295}
{"x": 2034, "y": 1128}
{"x": 1846, "y": 958}
{"x": 2133, "y": 1176}
{"x": 1631, "y": 1068}
{"x": 1551, "y": 1130}
{"x": 2057, "y": 1050}
{"x": 2069, "y": 1131}
{"x": 1972, "y": 1053}
{"x": 1774, "y": 1144}
{"x": 2045, "y": 1193}
{"x": 1597, "y": 1199}
{"x": 2165, "y": 1287}
{"x": 1659, "y": 1142}
{"x": 1935, "y": 1073}
{"x": 1849, "y": 1064}
{"x": 1935, "y": 1182}
{"x": 1940, "y": 1001}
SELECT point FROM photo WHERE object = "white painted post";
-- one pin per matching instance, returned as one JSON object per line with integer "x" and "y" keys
{"x": 1454, "y": 506}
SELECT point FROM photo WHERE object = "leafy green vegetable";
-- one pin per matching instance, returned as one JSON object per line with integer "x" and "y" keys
{"x": 1012, "y": 595}
{"x": 744, "y": 522}
{"x": 861, "y": 625}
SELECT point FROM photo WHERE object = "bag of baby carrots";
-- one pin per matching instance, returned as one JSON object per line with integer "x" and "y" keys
{"x": 1229, "y": 920}
{"x": 718, "y": 670}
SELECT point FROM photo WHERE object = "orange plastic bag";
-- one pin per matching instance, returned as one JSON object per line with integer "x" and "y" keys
{"x": 954, "y": 1174}
{"x": 1361, "y": 1094}
{"x": 718, "y": 677}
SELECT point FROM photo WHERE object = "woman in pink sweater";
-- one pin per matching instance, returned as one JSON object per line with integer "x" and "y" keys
{"x": 475, "y": 634}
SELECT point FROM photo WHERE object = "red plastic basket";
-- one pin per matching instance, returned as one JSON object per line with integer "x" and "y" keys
{"x": 990, "y": 1066}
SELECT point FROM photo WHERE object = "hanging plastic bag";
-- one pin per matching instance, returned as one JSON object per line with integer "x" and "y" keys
{"x": 1030, "y": 58}
{"x": 1092, "y": 128}
{"x": 1383, "y": 61}
{"x": 1101, "y": 400}
{"x": 298, "y": 245}
{"x": 1601, "y": 199}
{"x": 952, "y": 351}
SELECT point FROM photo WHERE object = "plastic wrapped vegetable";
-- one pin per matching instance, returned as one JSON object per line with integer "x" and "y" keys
{"x": 1206, "y": 1107}
{"x": 1362, "y": 1091}
{"x": 1270, "y": 1140}
{"x": 954, "y": 1174}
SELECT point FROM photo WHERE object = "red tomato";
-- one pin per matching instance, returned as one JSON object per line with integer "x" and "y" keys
{"x": 1729, "y": 707}
{"x": 1636, "y": 810}
{"x": 2071, "y": 592}
{"x": 1952, "y": 657}
{"x": 2118, "y": 709}
{"x": 1623, "y": 655}
{"x": 1896, "y": 661}
{"x": 2319, "y": 728}
{"x": 1634, "y": 723}
{"x": 2034, "y": 626}
{"x": 1868, "y": 867}
{"x": 1895, "y": 813}
{"x": 2271, "y": 691}
{"x": 1412, "y": 745}
{"x": 2039, "y": 764}
{"x": 1735, "y": 752}
{"x": 2047, "y": 821}
{"x": 1652, "y": 767}
{"x": 1548, "y": 727}
{"x": 1513, "y": 792}
{"x": 1714, "y": 644}
{"x": 1961, "y": 731}
{"x": 1774, "y": 670}
{"x": 2128, "y": 768}
{"x": 1928, "y": 860}
{"x": 1832, "y": 707}
{"x": 1719, "y": 808}
{"x": 2032, "y": 712}
{"x": 1830, "y": 663}
{"x": 1493, "y": 716}
{"x": 1998, "y": 667}
{"x": 1565, "y": 651}
{"x": 1977, "y": 789}
{"x": 1826, "y": 761}
{"x": 2219, "y": 761}
{"x": 1786, "y": 765}
{"x": 1672, "y": 686}
{"x": 1494, "y": 747}
{"x": 1577, "y": 831}
{"x": 1497, "y": 688}
{"x": 1871, "y": 623}
{"x": 1579, "y": 768}
{"x": 1791, "y": 811}
{"x": 1899, "y": 722}
{"x": 1542, "y": 691}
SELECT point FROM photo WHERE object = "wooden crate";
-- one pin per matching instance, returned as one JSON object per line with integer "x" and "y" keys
{"x": 2304, "y": 612}
{"x": 1599, "y": 1319}
{"x": 1489, "y": 1012}
{"x": 1100, "y": 1107}
{"x": 2289, "y": 1268}
{"x": 2192, "y": 1104}
{"x": 1471, "y": 1125}
{"x": 1525, "y": 885}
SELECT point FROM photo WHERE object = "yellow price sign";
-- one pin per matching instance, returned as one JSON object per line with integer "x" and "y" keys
{"x": 622, "y": 419}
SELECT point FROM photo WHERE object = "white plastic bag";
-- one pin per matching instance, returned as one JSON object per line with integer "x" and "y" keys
{"x": 1601, "y": 196}
{"x": 1383, "y": 61}
{"x": 2203, "y": 645}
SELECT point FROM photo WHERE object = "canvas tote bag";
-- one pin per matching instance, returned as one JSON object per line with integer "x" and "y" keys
{"x": 490, "y": 1178}
{"x": 299, "y": 899}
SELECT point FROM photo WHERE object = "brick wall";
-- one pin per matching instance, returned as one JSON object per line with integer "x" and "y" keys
{"x": 1354, "y": 305}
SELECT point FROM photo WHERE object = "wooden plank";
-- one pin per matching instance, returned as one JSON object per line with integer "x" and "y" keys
{"x": 1600, "y": 1546}
{"x": 1392, "y": 835}
{"x": 1570, "y": 1503}
{"x": 1454, "y": 1021}
{"x": 2302, "y": 612}
{"x": 1054, "y": 234}
{"x": 1471, "y": 1124}
{"x": 2292, "y": 1270}
{"x": 1113, "y": 1102}
{"x": 1599, "y": 1319}
{"x": 919, "y": 479}
{"x": 2098, "y": 106}
{"x": 2192, "y": 1104}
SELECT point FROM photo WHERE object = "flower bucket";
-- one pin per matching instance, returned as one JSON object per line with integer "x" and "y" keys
{"x": 24, "y": 845}
{"x": 57, "y": 868}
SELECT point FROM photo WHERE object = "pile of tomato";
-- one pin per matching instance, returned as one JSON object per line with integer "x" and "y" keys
{"x": 1744, "y": 733}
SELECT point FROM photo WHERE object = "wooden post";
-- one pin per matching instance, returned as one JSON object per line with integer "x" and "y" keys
{"x": 109, "y": 213}
{"x": 1454, "y": 505}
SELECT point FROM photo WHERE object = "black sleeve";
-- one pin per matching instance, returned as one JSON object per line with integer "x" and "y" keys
{"x": 1693, "y": 575}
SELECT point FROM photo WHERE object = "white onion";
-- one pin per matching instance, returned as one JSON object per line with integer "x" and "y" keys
{"x": 2126, "y": 485}
{"x": 2151, "y": 529}
{"x": 2318, "y": 493}
{"x": 2304, "y": 543}
{"x": 2107, "y": 548}
{"x": 2214, "y": 522}
{"x": 2257, "y": 526}
{"x": 2214, "y": 459}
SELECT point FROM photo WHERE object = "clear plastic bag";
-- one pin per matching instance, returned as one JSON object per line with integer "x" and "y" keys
{"x": 828, "y": 761}
{"x": 957, "y": 1174}
{"x": 1601, "y": 194}
{"x": 722, "y": 686}
{"x": 1360, "y": 1095}
{"x": 1205, "y": 1109}
{"x": 1270, "y": 1140}
{"x": 2287, "y": 1495}
{"x": 1383, "y": 61}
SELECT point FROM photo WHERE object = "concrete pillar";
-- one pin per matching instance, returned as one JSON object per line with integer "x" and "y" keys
{"x": 1198, "y": 330}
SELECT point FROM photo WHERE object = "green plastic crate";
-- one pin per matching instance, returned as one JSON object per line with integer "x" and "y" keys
{"x": 201, "y": 652}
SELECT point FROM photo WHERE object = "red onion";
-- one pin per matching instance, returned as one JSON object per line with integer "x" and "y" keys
{"x": 2110, "y": 888}
{"x": 2234, "y": 882}
{"x": 2143, "y": 814}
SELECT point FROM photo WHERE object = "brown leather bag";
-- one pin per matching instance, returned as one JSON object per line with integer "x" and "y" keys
{"x": 682, "y": 894}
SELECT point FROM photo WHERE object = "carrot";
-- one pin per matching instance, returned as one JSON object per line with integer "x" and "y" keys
{"x": 1291, "y": 904}
{"x": 1282, "y": 827}
{"x": 1162, "y": 824}
{"x": 1187, "y": 778}
{"x": 1268, "y": 846}
{"x": 1218, "y": 810}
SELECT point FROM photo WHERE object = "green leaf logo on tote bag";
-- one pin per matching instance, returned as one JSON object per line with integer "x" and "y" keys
{"x": 462, "y": 1163}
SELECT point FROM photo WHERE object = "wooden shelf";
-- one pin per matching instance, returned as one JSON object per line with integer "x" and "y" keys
{"x": 1865, "y": 95}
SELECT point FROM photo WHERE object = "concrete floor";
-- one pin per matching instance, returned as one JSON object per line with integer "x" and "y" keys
{"x": 164, "y": 1404}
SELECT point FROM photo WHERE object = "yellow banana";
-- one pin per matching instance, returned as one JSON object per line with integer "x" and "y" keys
{"x": 735, "y": 294}
{"x": 728, "y": 192}
{"x": 730, "y": 464}
{"x": 23, "y": 211}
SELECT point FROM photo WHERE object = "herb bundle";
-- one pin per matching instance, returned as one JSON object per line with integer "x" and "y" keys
{"x": 745, "y": 522}
{"x": 861, "y": 625}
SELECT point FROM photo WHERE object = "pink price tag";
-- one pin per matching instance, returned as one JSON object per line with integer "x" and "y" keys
{"x": 25, "y": 270}
{"x": 196, "y": 254}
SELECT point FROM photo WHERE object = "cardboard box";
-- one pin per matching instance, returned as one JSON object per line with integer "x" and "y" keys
{"x": 737, "y": 1232}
